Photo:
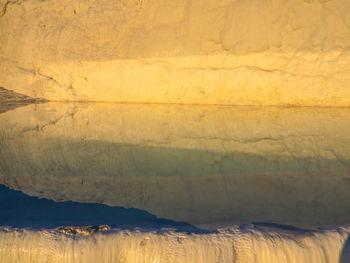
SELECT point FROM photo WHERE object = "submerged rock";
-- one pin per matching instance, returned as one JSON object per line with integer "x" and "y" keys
{"x": 82, "y": 230}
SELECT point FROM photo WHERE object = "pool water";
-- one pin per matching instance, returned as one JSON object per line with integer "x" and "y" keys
{"x": 194, "y": 167}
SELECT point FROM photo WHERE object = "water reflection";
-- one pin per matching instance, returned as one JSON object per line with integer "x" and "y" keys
{"x": 198, "y": 164}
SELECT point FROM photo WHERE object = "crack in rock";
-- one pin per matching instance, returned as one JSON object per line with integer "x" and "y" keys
{"x": 5, "y": 6}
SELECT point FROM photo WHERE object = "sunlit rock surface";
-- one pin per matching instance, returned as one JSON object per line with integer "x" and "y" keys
{"x": 261, "y": 52}
{"x": 104, "y": 182}
{"x": 239, "y": 245}
{"x": 197, "y": 164}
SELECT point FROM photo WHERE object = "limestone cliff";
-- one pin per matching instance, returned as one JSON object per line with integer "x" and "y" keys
{"x": 263, "y": 52}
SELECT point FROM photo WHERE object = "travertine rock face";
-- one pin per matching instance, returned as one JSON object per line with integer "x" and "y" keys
{"x": 268, "y": 52}
{"x": 226, "y": 245}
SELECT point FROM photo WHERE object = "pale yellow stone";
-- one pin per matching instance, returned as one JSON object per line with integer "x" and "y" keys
{"x": 261, "y": 52}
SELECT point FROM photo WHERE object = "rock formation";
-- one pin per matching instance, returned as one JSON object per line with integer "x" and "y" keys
{"x": 261, "y": 52}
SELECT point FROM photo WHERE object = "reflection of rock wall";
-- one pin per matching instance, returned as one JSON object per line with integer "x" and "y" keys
{"x": 196, "y": 164}
{"x": 201, "y": 51}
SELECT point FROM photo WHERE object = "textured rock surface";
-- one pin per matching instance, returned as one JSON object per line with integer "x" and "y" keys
{"x": 200, "y": 51}
{"x": 198, "y": 164}
{"x": 237, "y": 245}
{"x": 8, "y": 96}
{"x": 11, "y": 100}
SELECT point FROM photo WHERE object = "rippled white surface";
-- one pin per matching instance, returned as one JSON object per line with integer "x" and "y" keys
{"x": 233, "y": 245}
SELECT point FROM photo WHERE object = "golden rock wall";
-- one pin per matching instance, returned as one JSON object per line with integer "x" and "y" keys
{"x": 245, "y": 52}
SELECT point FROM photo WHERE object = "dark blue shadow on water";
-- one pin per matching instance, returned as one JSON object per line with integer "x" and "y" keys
{"x": 23, "y": 211}
{"x": 345, "y": 255}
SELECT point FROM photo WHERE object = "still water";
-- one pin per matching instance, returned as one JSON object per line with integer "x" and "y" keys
{"x": 198, "y": 166}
